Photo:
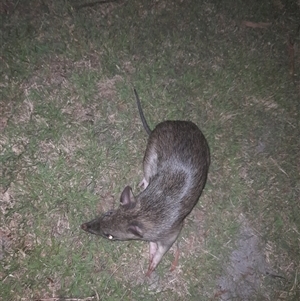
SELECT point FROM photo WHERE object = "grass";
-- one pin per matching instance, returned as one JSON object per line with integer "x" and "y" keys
{"x": 71, "y": 139}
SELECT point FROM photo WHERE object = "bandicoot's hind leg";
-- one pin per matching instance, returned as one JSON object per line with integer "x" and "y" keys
{"x": 176, "y": 259}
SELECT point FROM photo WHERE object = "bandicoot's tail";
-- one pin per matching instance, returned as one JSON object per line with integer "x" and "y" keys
{"x": 145, "y": 124}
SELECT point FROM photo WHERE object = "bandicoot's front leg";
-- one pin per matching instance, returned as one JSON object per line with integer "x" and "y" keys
{"x": 144, "y": 183}
{"x": 156, "y": 252}
{"x": 159, "y": 248}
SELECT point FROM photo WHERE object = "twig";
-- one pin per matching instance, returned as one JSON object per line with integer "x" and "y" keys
{"x": 206, "y": 252}
{"x": 279, "y": 167}
{"x": 91, "y": 4}
{"x": 291, "y": 51}
{"x": 66, "y": 299}
{"x": 274, "y": 275}
{"x": 256, "y": 24}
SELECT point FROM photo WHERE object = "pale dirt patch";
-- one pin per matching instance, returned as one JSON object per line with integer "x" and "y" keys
{"x": 80, "y": 113}
{"x": 247, "y": 267}
{"x": 15, "y": 240}
{"x": 7, "y": 201}
{"x": 5, "y": 110}
{"x": 107, "y": 88}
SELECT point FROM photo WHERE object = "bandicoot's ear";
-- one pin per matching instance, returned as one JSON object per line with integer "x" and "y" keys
{"x": 136, "y": 228}
{"x": 127, "y": 198}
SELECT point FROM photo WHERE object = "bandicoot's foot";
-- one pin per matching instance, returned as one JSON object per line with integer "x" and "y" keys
{"x": 175, "y": 261}
{"x": 149, "y": 272}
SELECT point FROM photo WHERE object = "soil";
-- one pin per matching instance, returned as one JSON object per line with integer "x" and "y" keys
{"x": 247, "y": 267}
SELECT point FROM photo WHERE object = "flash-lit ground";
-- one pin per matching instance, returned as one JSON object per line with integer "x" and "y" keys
{"x": 71, "y": 139}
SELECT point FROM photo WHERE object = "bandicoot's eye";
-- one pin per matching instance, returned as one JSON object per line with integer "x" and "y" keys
{"x": 108, "y": 213}
{"x": 109, "y": 236}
